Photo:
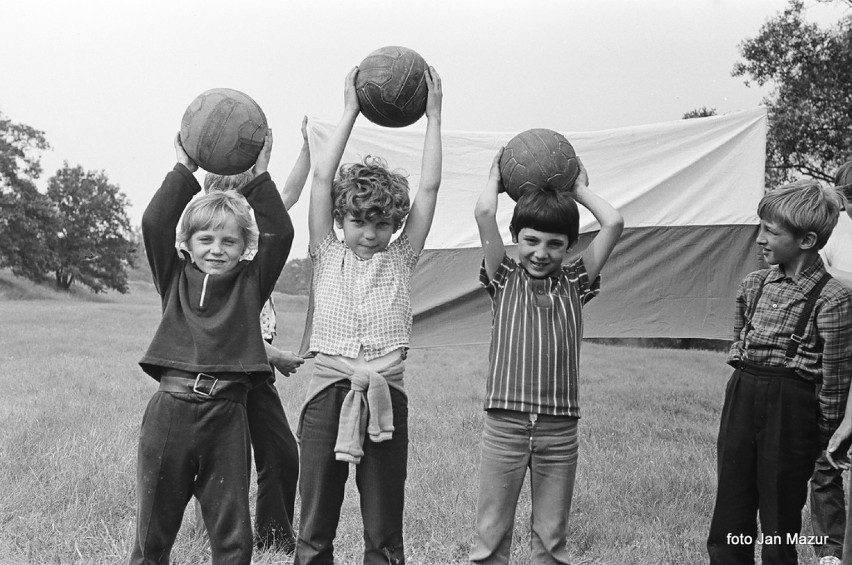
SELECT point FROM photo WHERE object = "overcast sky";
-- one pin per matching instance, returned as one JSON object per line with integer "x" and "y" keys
{"x": 108, "y": 81}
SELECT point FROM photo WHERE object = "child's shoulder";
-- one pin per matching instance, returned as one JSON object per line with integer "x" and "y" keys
{"x": 835, "y": 291}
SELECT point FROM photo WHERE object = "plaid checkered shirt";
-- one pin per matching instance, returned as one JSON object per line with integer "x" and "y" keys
{"x": 824, "y": 356}
{"x": 361, "y": 303}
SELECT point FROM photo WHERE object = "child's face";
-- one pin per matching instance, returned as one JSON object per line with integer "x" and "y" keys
{"x": 217, "y": 251}
{"x": 540, "y": 252}
{"x": 366, "y": 237}
{"x": 778, "y": 244}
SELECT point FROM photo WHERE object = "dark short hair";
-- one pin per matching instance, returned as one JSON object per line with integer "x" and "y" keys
{"x": 547, "y": 210}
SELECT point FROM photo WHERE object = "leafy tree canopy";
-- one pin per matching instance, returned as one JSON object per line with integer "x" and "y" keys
{"x": 26, "y": 215}
{"x": 94, "y": 244}
{"x": 809, "y": 106}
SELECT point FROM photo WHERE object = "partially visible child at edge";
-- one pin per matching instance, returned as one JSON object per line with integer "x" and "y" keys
{"x": 361, "y": 330}
{"x": 531, "y": 397}
{"x": 276, "y": 453}
{"x": 194, "y": 436}
{"x": 829, "y": 507}
{"x": 789, "y": 388}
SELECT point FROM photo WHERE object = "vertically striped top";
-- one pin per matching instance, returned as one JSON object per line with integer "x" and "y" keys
{"x": 535, "y": 338}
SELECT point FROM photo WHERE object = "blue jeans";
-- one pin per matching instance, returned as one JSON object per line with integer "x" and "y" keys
{"x": 380, "y": 478}
{"x": 513, "y": 442}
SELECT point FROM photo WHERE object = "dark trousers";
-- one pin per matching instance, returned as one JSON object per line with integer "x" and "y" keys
{"x": 380, "y": 478}
{"x": 187, "y": 447}
{"x": 276, "y": 457}
{"x": 828, "y": 508}
{"x": 768, "y": 443}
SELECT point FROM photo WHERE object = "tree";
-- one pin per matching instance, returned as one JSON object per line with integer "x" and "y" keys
{"x": 703, "y": 112}
{"x": 809, "y": 106}
{"x": 94, "y": 244}
{"x": 296, "y": 277}
{"x": 26, "y": 215}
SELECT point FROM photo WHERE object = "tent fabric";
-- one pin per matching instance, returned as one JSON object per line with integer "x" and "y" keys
{"x": 688, "y": 191}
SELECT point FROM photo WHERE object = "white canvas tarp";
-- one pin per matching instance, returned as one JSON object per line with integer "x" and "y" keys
{"x": 688, "y": 191}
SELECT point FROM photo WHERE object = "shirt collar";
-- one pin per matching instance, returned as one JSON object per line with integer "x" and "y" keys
{"x": 805, "y": 280}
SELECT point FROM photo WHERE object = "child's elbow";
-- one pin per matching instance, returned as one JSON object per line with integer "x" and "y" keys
{"x": 483, "y": 212}
{"x": 616, "y": 224}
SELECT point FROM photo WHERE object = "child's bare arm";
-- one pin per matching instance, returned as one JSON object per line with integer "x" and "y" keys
{"x": 296, "y": 179}
{"x": 486, "y": 219}
{"x": 612, "y": 224}
{"x": 423, "y": 209}
{"x": 320, "y": 219}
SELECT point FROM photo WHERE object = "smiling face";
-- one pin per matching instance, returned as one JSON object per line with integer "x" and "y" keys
{"x": 366, "y": 237}
{"x": 540, "y": 252}
{"x": 217, "y": 250}
{"x": 778, "y": 244}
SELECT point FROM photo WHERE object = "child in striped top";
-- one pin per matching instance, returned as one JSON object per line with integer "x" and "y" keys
{"x": 531, "y": 390}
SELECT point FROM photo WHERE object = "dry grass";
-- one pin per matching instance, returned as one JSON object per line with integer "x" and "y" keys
{"x": 73, "y": 398}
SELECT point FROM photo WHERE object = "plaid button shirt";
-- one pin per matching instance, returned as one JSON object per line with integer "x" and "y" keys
{"x": 824, "y": 356}
{"x": 361, "y": 303}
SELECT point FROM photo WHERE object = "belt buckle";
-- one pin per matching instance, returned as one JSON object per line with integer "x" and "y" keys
{"x": 200, "y": 386}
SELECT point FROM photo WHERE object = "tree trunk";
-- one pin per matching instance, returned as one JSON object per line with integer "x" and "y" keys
{"x": 64, "y": 280}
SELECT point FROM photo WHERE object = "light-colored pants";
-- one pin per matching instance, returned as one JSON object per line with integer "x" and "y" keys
{"x": 513, "y": 442}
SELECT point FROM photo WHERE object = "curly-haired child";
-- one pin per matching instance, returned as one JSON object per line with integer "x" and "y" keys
{"x": 356, "y": 409}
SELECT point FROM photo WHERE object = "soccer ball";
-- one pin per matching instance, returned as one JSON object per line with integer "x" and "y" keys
{"x": 391, "y": 86}
{"x": 538, "y": 158}
{"x": 223, "y": 131}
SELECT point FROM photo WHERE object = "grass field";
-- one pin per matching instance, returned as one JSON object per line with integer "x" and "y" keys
{"x": 73, "y": 396}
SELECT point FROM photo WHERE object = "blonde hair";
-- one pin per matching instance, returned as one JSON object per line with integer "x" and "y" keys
{"x": 801, "y": 207}
{"x": 212, "y": 181}
{"x": 212, "y": 210}
{"x": 371, "y": 190}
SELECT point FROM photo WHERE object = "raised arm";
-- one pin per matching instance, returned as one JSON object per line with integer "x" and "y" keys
{"x": 163, "y": 213}
{"x": 486, "y": 218}
{"x": 320, "y": 219}
{"x": 273, "y": 222}
{"x": 296, "y": 179}
{"x": 612, "y": 224}
{"x": 423, "y": 209}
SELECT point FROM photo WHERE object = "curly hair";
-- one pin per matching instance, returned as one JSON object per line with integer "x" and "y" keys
{"x": 371, "y": 190}
{"x": 801, "y": 207}
{"x": 548, "y": 210}
{"x": 211, "y": 211}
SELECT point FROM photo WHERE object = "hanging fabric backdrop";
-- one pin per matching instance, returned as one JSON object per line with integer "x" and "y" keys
{"x": 688, "y": 191}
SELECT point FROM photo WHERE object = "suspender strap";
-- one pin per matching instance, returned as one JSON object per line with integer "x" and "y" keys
{"x": 799, "y": 333}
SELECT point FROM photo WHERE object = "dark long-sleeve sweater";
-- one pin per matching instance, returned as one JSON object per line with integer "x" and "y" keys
{"x": 211, "y": 322}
